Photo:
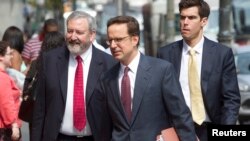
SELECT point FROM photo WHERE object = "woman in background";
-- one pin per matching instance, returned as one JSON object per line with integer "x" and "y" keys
{"x": 15, "y": 37}
{"x": 9, "y": 98}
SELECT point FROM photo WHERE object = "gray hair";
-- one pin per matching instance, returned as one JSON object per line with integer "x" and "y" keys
{"x": 80, "y": 14}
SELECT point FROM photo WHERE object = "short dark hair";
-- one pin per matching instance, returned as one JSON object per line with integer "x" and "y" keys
{"x": 203, "y": 7}
{"x": 50, "y": 22}
{"x": 14, "y": 36}
{"x": 52, "y": 40}
{"x": 132, "y": 24}
{"x": 3, "y": 47}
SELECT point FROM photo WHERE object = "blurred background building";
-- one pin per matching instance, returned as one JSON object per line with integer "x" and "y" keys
{"x": 158, "y": 18}
{"x": 229, "y": 22}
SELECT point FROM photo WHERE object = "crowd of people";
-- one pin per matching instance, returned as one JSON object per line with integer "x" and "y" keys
{"x": 19, "y": 62}
{"x": 81, "y": 93}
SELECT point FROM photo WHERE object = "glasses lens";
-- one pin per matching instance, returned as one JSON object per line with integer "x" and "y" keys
{"x": 116, "y": 40}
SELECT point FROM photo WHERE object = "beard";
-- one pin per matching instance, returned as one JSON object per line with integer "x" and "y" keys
{"x": 76, "y": 47}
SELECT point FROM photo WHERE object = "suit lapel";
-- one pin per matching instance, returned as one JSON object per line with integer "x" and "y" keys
{"x": 62, "y": 69}
{"x": 142, "y": 79}
{"x": 208, "y": 57}
{"x": 176, "y": 55}
{"x": 141, "y": 85}
{"x": 95, "y": 70}
{"x": 114, "y": 88}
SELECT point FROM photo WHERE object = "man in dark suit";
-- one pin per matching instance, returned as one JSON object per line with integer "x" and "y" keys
{"x": 151, "y": 100}
{"x": 54, "y": 117}
{"x": 215, "y": 63}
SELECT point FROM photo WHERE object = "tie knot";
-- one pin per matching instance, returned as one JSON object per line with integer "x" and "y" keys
{"x": 192, "y": 52}
{"x": 79, "y": 59}
{"x": 126, "y": 70}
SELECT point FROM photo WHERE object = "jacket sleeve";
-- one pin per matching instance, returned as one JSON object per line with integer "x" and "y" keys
{"x": 7, "y": 108}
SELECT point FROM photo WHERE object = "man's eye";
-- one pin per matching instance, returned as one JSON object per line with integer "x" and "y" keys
{"x": 80, "y": 32}
{"x": 70, "y": 31}
{"x": 182, "y": 17}
{"x": 118, "y": 39}
{"x": 192, "y": 17}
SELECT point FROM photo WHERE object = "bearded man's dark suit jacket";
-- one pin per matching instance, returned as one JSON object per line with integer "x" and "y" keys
{"x": 219, "y": 82}
{"x": 158, "y": 103}
{"x": 52, "y": 93}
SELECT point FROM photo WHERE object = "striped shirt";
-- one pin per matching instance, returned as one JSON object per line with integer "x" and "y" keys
{"x": 32, "y": 48}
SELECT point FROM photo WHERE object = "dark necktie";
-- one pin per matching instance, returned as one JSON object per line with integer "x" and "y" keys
{"x": 126, "y": 93}
{"x": 79, "y": 116}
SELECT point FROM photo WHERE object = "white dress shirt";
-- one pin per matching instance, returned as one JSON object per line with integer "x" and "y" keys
{"x": 184, "y": 69}
{"x": 131, "y": 73}
{"x": 67, "y": 126}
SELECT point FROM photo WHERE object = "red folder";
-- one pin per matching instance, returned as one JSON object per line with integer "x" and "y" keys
{"x": 168, "y": 134}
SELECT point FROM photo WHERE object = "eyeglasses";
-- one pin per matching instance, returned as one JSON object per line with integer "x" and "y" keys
{"x": 116, "y": 40}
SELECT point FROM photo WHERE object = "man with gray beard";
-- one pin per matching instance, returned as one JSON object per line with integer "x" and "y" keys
{"x": 68, "y": 105}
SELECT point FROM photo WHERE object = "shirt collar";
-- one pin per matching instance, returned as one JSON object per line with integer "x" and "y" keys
{"x": 133, "y": 64}
{"x": 198, "y": 47}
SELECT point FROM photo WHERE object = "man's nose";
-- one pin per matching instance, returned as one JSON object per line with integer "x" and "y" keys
{"x": 186, "y": 20}
{"x": 73, "y": 36}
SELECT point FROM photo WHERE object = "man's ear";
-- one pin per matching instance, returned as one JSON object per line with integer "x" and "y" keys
{"x": 135, "y": 40}
{"x": 204, "y": 21}
{"x": 93, "y": 36}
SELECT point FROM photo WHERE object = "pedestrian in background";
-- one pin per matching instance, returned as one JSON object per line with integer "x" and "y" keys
{"x": 206, "y": 70}
{"x": 15, "y": 37}
{"x": 51, "y": 41}
{"x": 68, "y": 84}
{"x": 33, "y": 46}
{"x": 9, "y": 98}
{"x": 143, "y": 94}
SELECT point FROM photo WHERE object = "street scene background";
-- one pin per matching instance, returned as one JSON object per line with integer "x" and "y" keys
{"x": 229, "y": 23}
